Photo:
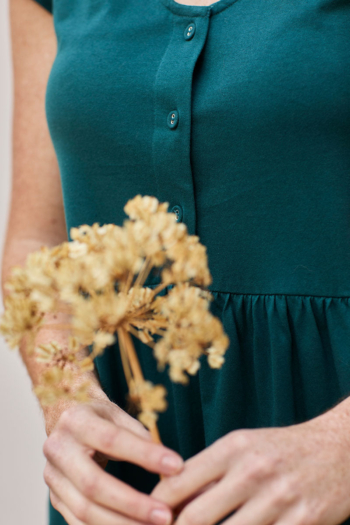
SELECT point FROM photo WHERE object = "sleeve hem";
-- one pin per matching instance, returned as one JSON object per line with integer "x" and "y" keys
{"x": 46, "y": 4}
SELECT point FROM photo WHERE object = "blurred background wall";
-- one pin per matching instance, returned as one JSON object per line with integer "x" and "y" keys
{"x": 23, "y": 493}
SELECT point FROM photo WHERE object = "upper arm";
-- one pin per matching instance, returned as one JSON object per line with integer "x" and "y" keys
{"x": 36, "y": 211}
{"x": 47, "y": 4}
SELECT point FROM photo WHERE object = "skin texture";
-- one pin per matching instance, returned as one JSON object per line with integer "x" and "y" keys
{"x": 297, "y": 475}
{"x": 80, "y": 489}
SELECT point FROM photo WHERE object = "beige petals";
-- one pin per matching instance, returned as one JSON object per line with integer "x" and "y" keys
{"x": 100, "y": 277}
{"x": 149, "y": 399}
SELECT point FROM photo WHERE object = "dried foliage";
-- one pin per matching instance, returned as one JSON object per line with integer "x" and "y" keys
{"x": 98, "y": 279}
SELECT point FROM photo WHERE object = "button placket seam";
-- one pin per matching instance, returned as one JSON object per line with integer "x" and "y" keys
{"x": 161, "y": 99}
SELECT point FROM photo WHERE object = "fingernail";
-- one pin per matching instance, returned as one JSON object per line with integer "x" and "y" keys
{"x": 172, "y": 463}
{"x": 161, "y": 517}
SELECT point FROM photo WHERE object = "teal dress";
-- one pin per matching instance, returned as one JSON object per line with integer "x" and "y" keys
{"x": 257, "y": 163}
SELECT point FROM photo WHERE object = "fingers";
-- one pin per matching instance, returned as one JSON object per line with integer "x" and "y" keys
{"x": 198, "y": 471}
{"x": 63, "y": 509}
{"x": 74, "y": 505}
{"x": 300, "y": 514}
{"x": 213, "y": 504}
{"x": 99, "y": 487}
{"x": 250, "y": 507}
{"x": 183, "y": 504}
{"x": 119, "y": 443}
{"x": 121, "y": 418}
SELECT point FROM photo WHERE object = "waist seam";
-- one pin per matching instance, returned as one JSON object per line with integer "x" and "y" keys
{"x": 346, "y": 297}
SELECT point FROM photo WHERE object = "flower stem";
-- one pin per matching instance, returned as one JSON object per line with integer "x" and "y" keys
{"x": 124, "y": 356}
{"x": 143, "y": 274}
{"x": 136, "y": 334}
{"x": 128, "y": 282}
{"x": 132, "y": 356}
{"x": 137, "y": 373}
{"x": 159, "y": 288}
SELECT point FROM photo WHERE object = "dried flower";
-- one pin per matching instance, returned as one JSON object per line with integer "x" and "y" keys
{"x": 57, "y": 384}
{"x": 149, "y": 400}
{"x": 98, "y": 278}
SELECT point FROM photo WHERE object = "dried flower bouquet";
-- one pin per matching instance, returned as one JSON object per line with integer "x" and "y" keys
{"x": 98, "y": 280}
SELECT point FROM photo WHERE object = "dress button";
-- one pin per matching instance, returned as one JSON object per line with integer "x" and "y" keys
{"x": 190, "y": 31}
{"x": 173, "y": 119}
{"x": 178, "y": 212}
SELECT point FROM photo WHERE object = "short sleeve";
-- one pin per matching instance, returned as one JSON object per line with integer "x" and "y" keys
{"x": 47, "y": 4}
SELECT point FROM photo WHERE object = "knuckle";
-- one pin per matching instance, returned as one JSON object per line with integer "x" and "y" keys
{"x": 153, "y": 452}
{"x": 226, "y": 447}
{"x": 81, "y": 509}
{"x": 240, "y": 439}
{"x": 173, "y": 484}
{"x": 305, "y": 515}
{"x": 264, "y": 466}
{"x": 67, "y": 418}
{"x": 283, "y": 494}
{"x": 140, "y": 510}
{"x": 89, "y": 487}
{"x": 260, "y": 468}
{"x": 108, "y": 438}
{"x": 140, "y": 504}
{"x": 51, "y": 446}
{"x": 47, "y": 446}
{"x": 54, "y": 500}
{"x": 192, "y": 517}
{"x": 311, "y": 518}
{"x": 306, "y": 520}
{"x": 47, "y": 474}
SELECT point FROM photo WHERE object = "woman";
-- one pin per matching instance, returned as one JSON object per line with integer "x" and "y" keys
{"x": 237, "y": 113}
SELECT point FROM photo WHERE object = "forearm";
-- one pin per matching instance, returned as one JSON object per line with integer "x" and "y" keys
{"x": 15, "y": 253}
{"x": 45, "y": 335}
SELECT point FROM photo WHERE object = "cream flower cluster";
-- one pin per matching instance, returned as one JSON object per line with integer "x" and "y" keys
{"x": 98, "y": 278}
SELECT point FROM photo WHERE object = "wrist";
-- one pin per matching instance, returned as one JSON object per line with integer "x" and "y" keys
{"x": 53, "y": 412}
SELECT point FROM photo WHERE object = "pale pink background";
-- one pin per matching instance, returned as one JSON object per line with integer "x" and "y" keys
{"x": 23, "y": 493}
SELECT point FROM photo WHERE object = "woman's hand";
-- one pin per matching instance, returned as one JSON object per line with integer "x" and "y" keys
{"x": 297, "y": 475}
{"x": 78, "y": 448}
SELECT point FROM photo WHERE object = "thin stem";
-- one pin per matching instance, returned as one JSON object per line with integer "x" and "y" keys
{"x": 133, "y": 359}
{"x": 146, "y": 308}
{"x": 136, "y": 334}
{"x": 138, "y": 375}
{"x": 159, "y": 288}
{"x": 143, "y": 273}
{"x": 157, "y": 331}
{"x": 124, "y": 357}
{"x": 128, "y": 282}
{"x": 155, "y": 434}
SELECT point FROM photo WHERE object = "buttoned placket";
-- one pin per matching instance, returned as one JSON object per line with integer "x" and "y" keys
{"x": 172, "y": 125}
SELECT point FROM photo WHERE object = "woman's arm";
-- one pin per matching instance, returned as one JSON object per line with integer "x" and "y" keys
{"x": 36, "y": 215}
{"x": 81, "y": 437}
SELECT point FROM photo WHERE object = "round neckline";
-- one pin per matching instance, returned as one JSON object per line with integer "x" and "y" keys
{"x": 197, "y": 10}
